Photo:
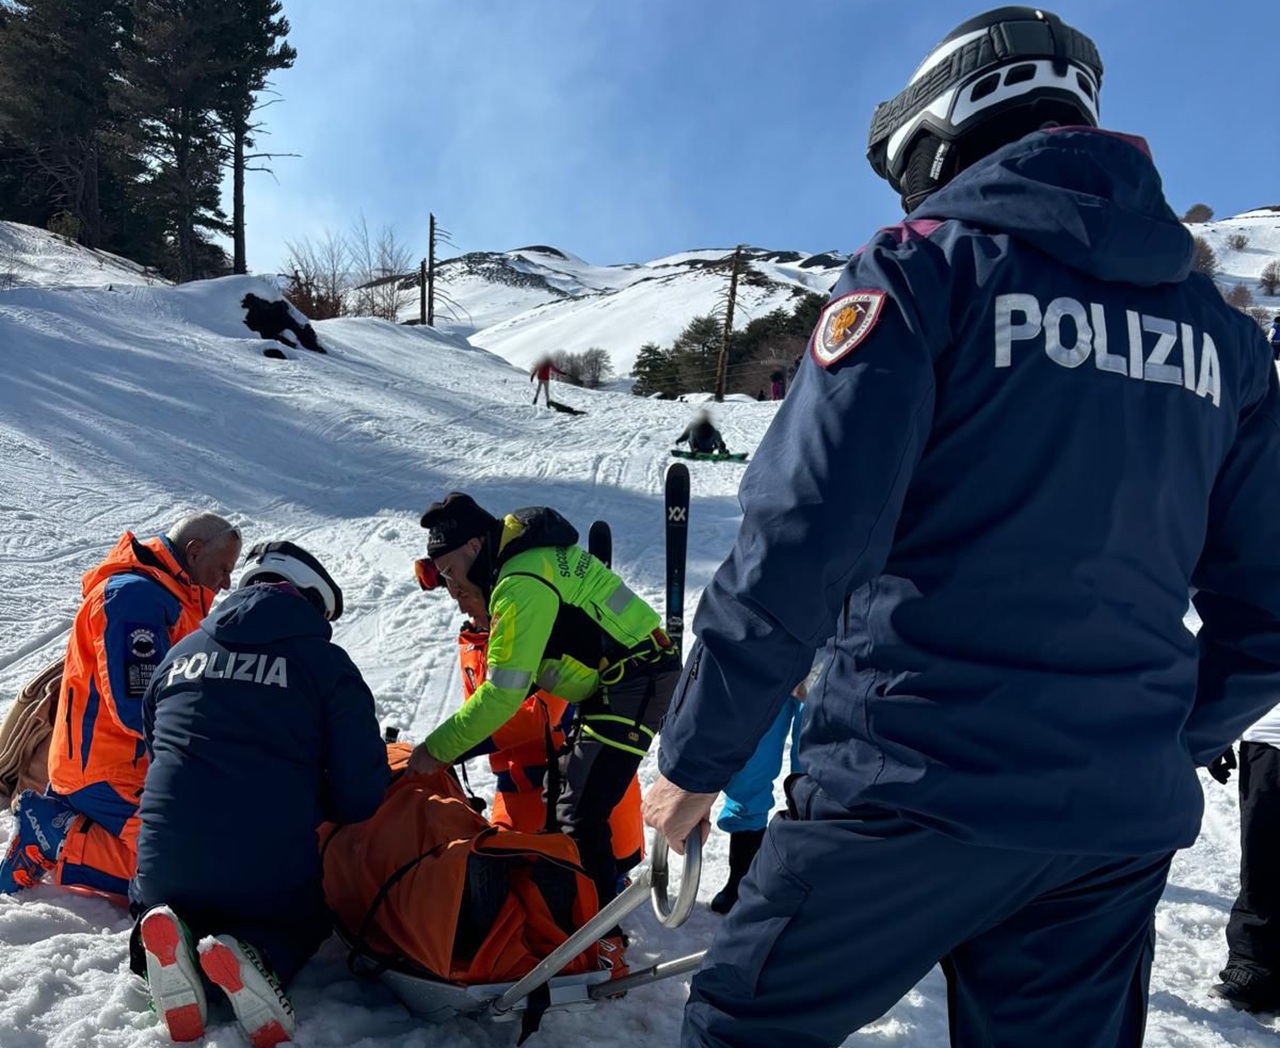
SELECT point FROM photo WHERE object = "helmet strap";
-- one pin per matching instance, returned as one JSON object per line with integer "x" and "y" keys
{"x": 933, "y": 163}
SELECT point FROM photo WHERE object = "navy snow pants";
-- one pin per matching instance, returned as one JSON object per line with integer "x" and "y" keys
{"x": 845, "y": 911}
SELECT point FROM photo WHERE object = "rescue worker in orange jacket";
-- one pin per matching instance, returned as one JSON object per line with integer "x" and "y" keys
{"x": 145, "y": 597}
{"x": 521, "y": 752}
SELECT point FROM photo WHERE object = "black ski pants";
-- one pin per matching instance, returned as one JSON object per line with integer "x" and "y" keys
{"x": 1253, "y": 931}
{"x": 613, "y": 732}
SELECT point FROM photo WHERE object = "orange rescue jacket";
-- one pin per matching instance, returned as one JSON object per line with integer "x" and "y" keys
{"x": 137, "y": 604}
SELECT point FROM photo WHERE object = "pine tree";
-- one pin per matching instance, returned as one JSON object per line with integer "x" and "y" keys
{"x": 695, "y": 352}
{"x": 171, "y": 83}
{"x": 654, "y": 372}
{"x": 254, "y": 46}
{"x": 57, "y": 58}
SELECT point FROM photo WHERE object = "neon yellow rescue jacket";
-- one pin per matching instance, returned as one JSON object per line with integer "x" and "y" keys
{"x": 557, "y": 617}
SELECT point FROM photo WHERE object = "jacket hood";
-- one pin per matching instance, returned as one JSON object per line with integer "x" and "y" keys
{"x": 153, "y": 559}
{"x": 265, "y": 613}
{"x": 1091, "y": 199}
{"x": 532, "y": 528}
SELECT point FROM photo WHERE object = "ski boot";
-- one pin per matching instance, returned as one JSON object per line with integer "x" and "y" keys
{"x": 173, "y": 977}
{"x": 1247, "y": 990}
{"x": 743, "y": 846}
{"x": 262, "y": 1009}
{"x": 42, "y": 824}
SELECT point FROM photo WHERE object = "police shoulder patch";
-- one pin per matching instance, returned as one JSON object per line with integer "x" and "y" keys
{"x": 845, "y": 323}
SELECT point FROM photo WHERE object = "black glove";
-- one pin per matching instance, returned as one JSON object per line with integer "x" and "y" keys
{"x": 1221, "y": 765}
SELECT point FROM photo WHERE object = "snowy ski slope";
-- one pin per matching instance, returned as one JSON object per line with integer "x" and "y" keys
{"x": 126, "y": 408}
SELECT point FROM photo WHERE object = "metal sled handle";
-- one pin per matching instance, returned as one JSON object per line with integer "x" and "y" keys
{"x": 652, "y": 882}
{"x": 674, "y": 915}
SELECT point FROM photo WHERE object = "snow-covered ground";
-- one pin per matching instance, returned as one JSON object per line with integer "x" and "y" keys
{"x": 127, "y": 408}
{"x": 31, "y": 257}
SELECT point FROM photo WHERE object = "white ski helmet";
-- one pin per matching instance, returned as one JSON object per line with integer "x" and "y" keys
{"x": 995, "y": 78}
{"x": 271, "y": 561}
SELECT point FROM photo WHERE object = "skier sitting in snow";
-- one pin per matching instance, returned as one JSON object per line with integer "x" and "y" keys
{"x": 260, "y": 728}
{"x": 560, "y": 620}
{"x": 702, "y": 437}
{"x": 146, "y": 596}
{"x": 1000, "y": 756}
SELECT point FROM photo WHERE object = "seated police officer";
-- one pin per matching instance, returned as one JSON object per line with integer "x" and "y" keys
{"x": 260, "y": 728}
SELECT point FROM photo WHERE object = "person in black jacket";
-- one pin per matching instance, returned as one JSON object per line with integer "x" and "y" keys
{"x": 702, "y": 436}
{"x": 259, "y": 729}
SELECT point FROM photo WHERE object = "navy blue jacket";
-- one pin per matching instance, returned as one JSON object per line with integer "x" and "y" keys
{"x": 259, "y": 729}
{"x": 998, "y": 503}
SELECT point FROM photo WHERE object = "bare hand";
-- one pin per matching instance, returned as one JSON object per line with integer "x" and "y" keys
{"x": 422, "y": 763}
{"x": 674, "y": 812}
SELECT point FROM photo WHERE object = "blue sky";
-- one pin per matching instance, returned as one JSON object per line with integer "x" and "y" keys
{"x": 624, "y": 130}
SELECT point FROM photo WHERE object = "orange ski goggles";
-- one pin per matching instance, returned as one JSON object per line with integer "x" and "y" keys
{"x": 427, "y": 574}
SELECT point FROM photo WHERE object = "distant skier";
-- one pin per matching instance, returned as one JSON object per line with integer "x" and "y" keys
{"x": 1273, "y": 336}
{"x": 777, "y": 386}
{"x": 702, "y": 436}
{"x": 543, "y": 371}
{"x": 998, "y": 484}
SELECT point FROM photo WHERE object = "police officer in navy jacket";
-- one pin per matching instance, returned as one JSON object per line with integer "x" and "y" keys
{"x": 1025, "y": 431}
{"x": 259, "y": 728}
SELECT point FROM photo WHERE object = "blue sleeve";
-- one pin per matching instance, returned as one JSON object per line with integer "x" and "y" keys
{"x": 1237, "y": 585}
{"x": 137, "y": 614}
{"x": 820, "y": 502}
{"x": 357, "y": 757}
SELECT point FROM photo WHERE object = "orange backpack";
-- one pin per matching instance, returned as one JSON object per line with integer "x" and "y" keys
{"x": 428, "y": 887}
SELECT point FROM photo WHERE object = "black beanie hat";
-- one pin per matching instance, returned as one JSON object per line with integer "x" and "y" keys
{"x": 452, "y": 522}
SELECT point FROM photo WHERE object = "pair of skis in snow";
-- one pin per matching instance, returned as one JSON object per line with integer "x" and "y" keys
{"x": 600, "y": 546}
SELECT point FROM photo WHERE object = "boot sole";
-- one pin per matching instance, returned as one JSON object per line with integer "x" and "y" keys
{"x": 176, "y": 991}
{"x": 252, "y": 998}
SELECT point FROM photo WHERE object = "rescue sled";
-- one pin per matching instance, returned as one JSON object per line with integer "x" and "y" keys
{"x": 544, "y": 989}
{"x": 710, "y": 456}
